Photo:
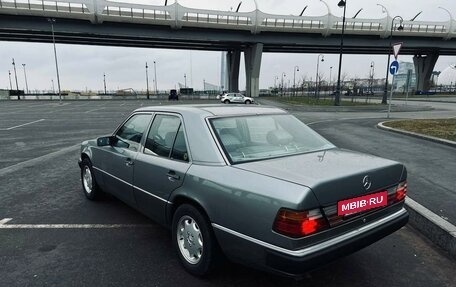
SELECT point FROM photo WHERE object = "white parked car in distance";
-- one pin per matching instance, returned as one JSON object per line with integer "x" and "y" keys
{"x": 236, "y": 98}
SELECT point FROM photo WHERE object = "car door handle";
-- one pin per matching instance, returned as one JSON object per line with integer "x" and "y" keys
{"x": 172, "y": 176}
{"x": 129, "y": 162}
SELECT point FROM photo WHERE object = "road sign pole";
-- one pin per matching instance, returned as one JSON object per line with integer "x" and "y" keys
{"x": 391, "y": 96}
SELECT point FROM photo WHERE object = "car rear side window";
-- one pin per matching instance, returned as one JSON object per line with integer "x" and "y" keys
{"x": 166, "y": 138}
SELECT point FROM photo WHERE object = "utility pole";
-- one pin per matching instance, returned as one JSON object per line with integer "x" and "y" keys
{"x": 25, "y": 75}
{"x": 147, "y": 82}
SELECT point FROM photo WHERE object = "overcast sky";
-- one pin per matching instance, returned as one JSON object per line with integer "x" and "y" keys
{"x": 82, "y": 67}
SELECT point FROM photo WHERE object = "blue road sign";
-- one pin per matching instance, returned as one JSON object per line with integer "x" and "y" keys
{"x": 394, "y": 68}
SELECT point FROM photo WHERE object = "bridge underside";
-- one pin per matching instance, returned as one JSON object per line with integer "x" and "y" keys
{"x": 67, "y": 31}
{"x": 37, "y": 29}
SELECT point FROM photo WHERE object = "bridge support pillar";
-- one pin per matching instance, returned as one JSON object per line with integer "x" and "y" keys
{"x": 424, "y": 65}
{"x": 252, "y": 57}
{"x": 233, "y": 61}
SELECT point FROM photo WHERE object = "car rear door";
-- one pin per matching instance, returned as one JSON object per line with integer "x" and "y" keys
{"x": 161, "y": 167}
{"x": 118, "y": 159}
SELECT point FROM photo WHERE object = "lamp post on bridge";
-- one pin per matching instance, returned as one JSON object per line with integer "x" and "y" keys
{"x": 400, "y": 28}
{"x": 317, "y": 78}
{"x": 185, "y": 80}
{"x": 341, "y": 4}
{"x": 296, "y": 69}
{"x": 52, "y": 21}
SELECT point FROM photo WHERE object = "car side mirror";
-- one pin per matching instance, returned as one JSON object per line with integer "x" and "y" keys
{"x": 105, "y": 141}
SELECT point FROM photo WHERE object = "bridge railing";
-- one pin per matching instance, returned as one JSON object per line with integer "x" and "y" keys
{"x": 178, "y": 16}
{"x": 41, "y": 5}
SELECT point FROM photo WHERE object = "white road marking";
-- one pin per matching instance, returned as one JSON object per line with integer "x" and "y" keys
{"x": 33, "y": 161}
{"x": 123, "y": 104}
{"x": 3, "y": 225}
{"x": 317, "y": 122}
{"x": 95, "y": 110}
{"x": 7, "y": 129}
{"x": 5, "y": 220}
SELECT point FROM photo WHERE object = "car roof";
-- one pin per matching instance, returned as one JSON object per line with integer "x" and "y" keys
{"x": 214, "y": 109}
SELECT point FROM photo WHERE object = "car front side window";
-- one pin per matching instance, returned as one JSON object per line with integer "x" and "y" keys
{"x": 130, "y": 134}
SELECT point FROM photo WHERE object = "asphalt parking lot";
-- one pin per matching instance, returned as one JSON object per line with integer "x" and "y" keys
{"x": 58, "y": 238}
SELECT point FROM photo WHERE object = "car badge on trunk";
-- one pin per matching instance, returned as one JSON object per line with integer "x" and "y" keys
{"x": 367, "y": 182}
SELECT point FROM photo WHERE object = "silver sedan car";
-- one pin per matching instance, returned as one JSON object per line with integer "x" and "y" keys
{"x": 236, "y": 98}
{"x": 253, "y": 183}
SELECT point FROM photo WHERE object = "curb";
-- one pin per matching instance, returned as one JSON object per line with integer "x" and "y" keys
{"x": 438, "y": 230}
{"x": 417, "y": 135}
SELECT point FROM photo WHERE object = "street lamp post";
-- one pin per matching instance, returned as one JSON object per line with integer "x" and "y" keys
{"x": 52, "y": 21}
{"x": 15, "y": 77}
{"x": 330, "y": 77}
{"x": 296, "y": 69}
{"x": 53, "y": 88}
{"x": 11, "y": 84}
{"x": 317, "y": 78}
{"x": 25, "y": 76}
{"x": 400, "y": 28}
{"x": 147, "y": 82}
{"x": 371, "y": 74}
{"x": 283, "y": 75}
{"x": 155, "y": 76}
{"x": 341, "y": 4}
{"x": 104, "y": 82}
{"x": 185, "y": 80}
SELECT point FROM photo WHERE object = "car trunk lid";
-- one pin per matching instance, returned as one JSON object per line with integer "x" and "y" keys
{"x": 333, "y": 174}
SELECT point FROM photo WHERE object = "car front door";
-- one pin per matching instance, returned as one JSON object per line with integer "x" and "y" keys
{"x": 162, "y": 165}
{"x": 238, "y": 98}
{"x": 118, "y": 159}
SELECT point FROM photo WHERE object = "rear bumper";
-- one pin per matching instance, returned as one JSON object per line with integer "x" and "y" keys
{"x": 295, "y": 263}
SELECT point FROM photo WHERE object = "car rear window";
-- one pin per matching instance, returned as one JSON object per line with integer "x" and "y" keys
{"x": 260, "y": 137}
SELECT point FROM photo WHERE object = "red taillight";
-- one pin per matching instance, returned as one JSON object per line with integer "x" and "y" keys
{"x": 401, "y": 191}
{"x": 299, "y": 223}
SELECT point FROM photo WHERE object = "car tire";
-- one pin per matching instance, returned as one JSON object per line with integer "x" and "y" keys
{"x": 248, "y": 102}
{"x": 89, "y": 184}
{"x": 226, "y": 101}
{"x": 194, "y": 240}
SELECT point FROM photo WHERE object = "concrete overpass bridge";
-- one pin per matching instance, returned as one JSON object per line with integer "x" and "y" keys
{"x": 100, "y": 22}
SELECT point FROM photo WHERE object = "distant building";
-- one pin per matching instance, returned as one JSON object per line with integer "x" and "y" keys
{"x": 400, "y": 80}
